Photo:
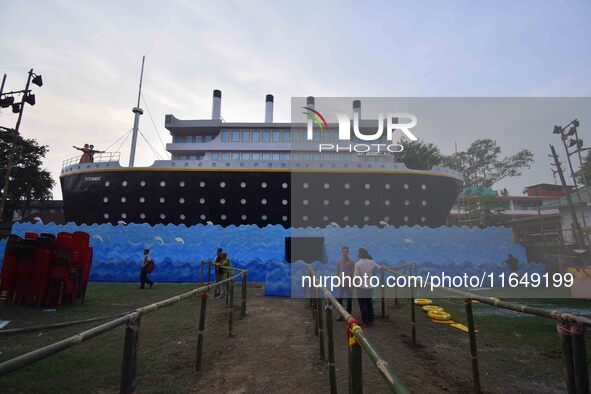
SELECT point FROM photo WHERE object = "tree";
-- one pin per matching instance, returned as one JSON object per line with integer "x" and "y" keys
{"x": 28, "y": 180}
{"x": 419, "y": 155}
{"x": 481, "y": 165}
{"x": 584, "y": 173}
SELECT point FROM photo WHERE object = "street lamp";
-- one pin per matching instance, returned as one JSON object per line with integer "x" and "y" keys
{"x": 17, "y": 108}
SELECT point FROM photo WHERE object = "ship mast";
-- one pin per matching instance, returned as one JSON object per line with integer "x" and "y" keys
{"x": 136, "y": 122}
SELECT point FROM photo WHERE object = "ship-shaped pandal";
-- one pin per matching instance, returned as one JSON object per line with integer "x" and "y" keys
{"x": 255, "y": 173}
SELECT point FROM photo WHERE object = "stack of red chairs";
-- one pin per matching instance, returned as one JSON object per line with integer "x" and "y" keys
{"x": 46, "y": 269}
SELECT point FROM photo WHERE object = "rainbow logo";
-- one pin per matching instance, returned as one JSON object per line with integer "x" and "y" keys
{"x": 316, "y": 116}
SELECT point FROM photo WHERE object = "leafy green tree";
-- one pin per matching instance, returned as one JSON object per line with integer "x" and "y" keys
{"x": 481, "y": 165}
{"x": 28, "y": 180}
{"x": 419, "y": 155}
{"x": 584, "y": 173}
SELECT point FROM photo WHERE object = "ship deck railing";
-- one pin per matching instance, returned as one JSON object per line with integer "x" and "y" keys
{"x": 97, "y": 158}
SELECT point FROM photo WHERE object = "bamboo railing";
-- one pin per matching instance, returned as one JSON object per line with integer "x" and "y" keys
{"x": 132, "y": 324}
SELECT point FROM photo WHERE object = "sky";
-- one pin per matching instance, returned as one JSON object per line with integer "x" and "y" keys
{"x": 89, "y": 54}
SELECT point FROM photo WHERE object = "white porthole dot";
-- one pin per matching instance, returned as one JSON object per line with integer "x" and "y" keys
{"x": 222, "y": 184}
{"x": 366, "y": 218}
{"x": 105, "y": 199}
{"x": 346, "y": 202}
{"x": 124, "y": 183}
{"x": 284, "y": 218}
{"x": 387, "y": 186}
{"x": 305, "y": 218}
{"x": 423, "y": 187}
{"x": 182, "y": 184}
{"x": 142, "y": 215}
{"x": 424, "y": 202}
{"x": 406, "y": 202}
{"x": 243, "y": 217}
{"x": 386, "y": 218}
{"x": 406, "y": 218}
{"x": 423, "y": 219}
{"x": 387, "y": 203}
{"x": 264, "y": 185}
{"x": 222, "y": 201}
{"x": 123, "y": 199}
{"x": 201, "y": 184}
{"x": 284, "y": 202}
{"x": 346, "y": 218}
{"x": 106, "y": 215}
{"x": 242, "y": 201}
{"x": 367, "y": 186}
{"x": 162, "y": 184}
{"x": 347, "y": 186}
{"x": 142, "y": 200}
{"x": 367, "y": 202}
{"x": 326, "y": 185}
{"x": 182, "y": 216}
{"x": 143, "y": 183}
{"x": 326, "y": 202}
{"x": 264, "y": 201}
{"x": 284, "y": 185}
{"x": 123, "y": 216}
{"x": 162, "y": 200}
{"x": 325, "y": 218}
{"x": 306, "y": 185}
{"x": 202, "y": 201}
{"x": 243, "y": 184}
{"x": 107, "y": 184}
{"x": 405, "y": 186}
{"x": 202, "y": 217}
{"x": 162, "y": 216}
{"x": 264, "y": 217}
{"x": 305, "y": 202}
{"x": 223, "y": 216}
{"x": 181, "y": 200}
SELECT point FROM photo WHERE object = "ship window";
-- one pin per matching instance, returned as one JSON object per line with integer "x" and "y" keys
{"x": 406, "y": 202}
{"x": 284, "y": 185}
{"x": 142, "y": 200}
{"x": 346, "y": 218}
{"x": 264, "y": 201}
{"x": 256, "y": 156}
{"x": 162, "y": 216}
{"x": 225, "y": 136}
{"x": 123, "y": 199}
{"x": 245, "y": 155}
{"x": 406, "y": 186}
{"x": 202, "y": 217}
{"x": 243, "y": 184}
{"x": 284, "y": 202}
{"x": 245, "y": 136}
{"x": 316, "y": 137}
{"x": 276, "y": 156}
{"x": 347, "y": 202}
{"x": 198, "y": 138}
{"x": 286, "y": 136}
{"x": 208, "y": 138}
{"x": 105, "y": 199}
{"x": 264, "y": 185}
{"x": 107, "y": 183}
{"x": 182, "y": 216}
{"x": 222, "y": 184}
{"x": 222, "y": 201}
{"x": 326, "y": 136}
{"x": 162, "y": 184}
{"x": 296, "y": 155}
{"x": 266, "y": 156}
{"x": 367, "y": 202}
{"x": 325, "y": 218}
{"x": 386, "y": 219}
{"x": 347, "y": 156}
{"x": 235, "y": 136}
{"x": 387, "y": 202}
{"x": 305, "y": 218}
{"x": 243, "y": 217}
{"x": 366, "y": 218}
{"x": 336, "y": 157}
{"x": 306, "y": 185}
{"x": 326, "y": 202}
{"x": 306, "y": 156}
{"x": 424, "y": 187}
{"x": 305, "y": 202}
{"x": 143, "y": 183}
{"x": 182, "y": 183}
{"x": 193, "y": 157}
{"x": 124, "y": 183}
{"x": 177, "y": 139}
{"x": 326, "y": 185}
{"x": 347, "y": 185}
{"x": 316, "y": 156}
{"x": 424, "y": 202}
{"x": 123, "y": 216}
{"x": 367, "y": 186}
{"x": 276, "y": 136}
{"x": 284, "y": 218}
{"x": 256, "y": 136}
{"x": 215, "y": 156}
{"x": 142, "y": 215}
{"x": 225, "y": 155}
{"x": 162, "y": 200}
{"x": 387, "y": 186}
{"x": 264, "y": 217}
{"x": 106, "y": 215}
{"x": 242, "y": 201}
{"x": 235, "y": 156}
{"x": 181, "y": 200}
{"x": 296, "y": 136}
{"x": 423, "y": 219}
{"x": 325, "y": 156}
{"x": 266, "y": 136}
{"x": 223, "y": 216}
{"x": 201, "y": 184}
{"x": 202, "y": 200}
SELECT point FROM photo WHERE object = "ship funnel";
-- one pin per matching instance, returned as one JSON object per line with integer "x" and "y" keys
{"x": 357, "y": 108}
{"x": 310, "y": 102}
{"x": 217, "y": 105}
{"x": 269, "y": 109}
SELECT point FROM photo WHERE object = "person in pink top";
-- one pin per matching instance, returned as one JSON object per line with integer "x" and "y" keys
{"x": 365, "y": 268}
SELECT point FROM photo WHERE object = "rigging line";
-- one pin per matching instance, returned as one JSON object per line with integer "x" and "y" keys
{"x": 150, "y": 145}
{"x": 153, "y": 123}
{"x": 117, "y": 140}
{"x": 123, "y": 142}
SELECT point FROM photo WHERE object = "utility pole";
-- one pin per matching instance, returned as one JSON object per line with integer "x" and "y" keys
{"x": 13, "y": 147}
{"x": 575, "y": 224}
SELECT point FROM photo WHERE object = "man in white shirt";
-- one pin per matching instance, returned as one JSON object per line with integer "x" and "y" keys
{"x": 345, "y": 269}
{"x": 364, "y": 269}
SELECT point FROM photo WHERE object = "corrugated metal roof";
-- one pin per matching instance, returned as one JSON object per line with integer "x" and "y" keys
{"x": 583, "y": 192}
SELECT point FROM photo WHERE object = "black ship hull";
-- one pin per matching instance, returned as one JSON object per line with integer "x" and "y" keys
{"x": 235, "y": 197}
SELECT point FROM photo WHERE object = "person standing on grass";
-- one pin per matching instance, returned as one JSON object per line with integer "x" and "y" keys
{"x": 146, "y": 263}
{"x": 345, "y": 271}
{"x": 219, "y": 272}
{"x": 364, "y": 269}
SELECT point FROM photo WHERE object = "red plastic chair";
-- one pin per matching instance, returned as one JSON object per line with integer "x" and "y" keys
{"x": 8, "y": 275}
{"x": 25, "y": 261}
{"x": 31, "y": 235}
{"x": 81, "y": 235}
{"x": 64, "y": 240}
{"x": 41, "y": 269}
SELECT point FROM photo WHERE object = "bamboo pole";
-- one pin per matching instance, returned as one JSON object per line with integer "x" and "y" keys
{"x": 315, "y": 312}
{"x": 320, "y": 325}
{"x": 577, "y": 332}
{"x": 243, "y": 302}
{"x": 129, "y": 365}
{"x": 200, "y": 332}
{"x": 383, "y": 291}
{"x": 563, "y": 328}
{"x": 355, "y": 368}
{"x": 413, "y": 318}
{"x": 473, "y": 348}
{"x": 230, "y": 307}
{"x": 202, "y": 272}
{"x": 332, "y": 375}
